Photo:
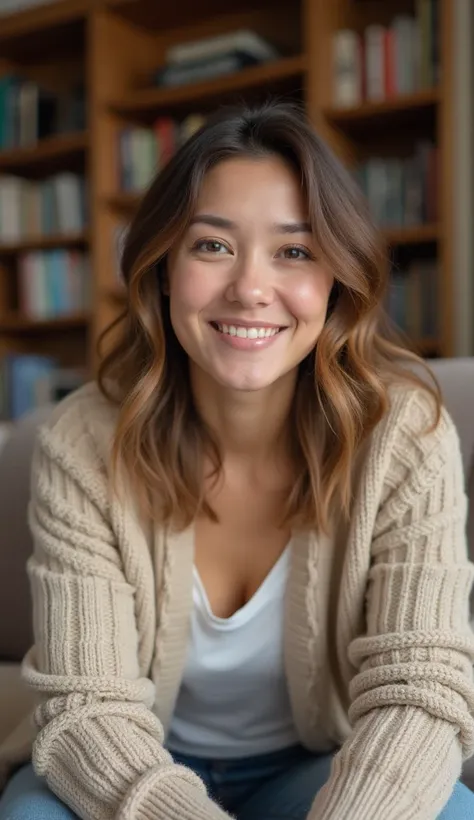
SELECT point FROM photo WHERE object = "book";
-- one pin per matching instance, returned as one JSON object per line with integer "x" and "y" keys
{"x": 199, "y": 71}
{"x": 375, "y": 45}
{"x": 243, "y": 40}
{"x": 347, "y": 68}
{"x": 405, "y": 38}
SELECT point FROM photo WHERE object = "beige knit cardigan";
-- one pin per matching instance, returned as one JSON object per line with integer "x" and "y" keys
{"x": 378, "y": 649}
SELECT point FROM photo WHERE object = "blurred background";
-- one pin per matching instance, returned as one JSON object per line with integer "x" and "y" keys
{"x": 95, "y": 95}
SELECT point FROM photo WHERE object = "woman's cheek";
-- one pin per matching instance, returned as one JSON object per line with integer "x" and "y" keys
{"x": 192, "y": 287}
{"x": 307, "y": 298}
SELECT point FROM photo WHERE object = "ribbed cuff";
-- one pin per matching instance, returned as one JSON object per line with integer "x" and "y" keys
{"x": 169, "y": 793}
{"x": 400, "y": 764}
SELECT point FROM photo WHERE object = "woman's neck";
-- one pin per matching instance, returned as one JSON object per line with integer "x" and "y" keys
{"x": 250, "y": 426}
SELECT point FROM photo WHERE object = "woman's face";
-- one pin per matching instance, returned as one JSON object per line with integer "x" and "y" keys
{"x": 248, "y": 291}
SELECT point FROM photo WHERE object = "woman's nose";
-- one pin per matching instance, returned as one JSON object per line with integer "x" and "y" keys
{"x": 251, "y": 284}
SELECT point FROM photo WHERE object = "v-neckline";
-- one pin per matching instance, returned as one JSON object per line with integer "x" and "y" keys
{"x": 252, "y": 605}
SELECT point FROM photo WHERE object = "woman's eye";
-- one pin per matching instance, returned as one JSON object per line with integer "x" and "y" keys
{"x": 211, "y": 246}
{"x": 295, "y": 252}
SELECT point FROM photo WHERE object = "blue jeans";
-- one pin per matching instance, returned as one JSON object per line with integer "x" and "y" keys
{"x": 277, "y": 786}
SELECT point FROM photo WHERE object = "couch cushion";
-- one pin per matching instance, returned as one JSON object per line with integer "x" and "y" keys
{"x": 15, "y": 539}
{"x": 470, "y": 520}
{"x": 16, "y": 700}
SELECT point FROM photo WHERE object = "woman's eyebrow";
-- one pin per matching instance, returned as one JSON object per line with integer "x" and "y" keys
{"x": 293, "y": 227}
{"x": 222, "y": 222}
{"x": 215, "y": 221}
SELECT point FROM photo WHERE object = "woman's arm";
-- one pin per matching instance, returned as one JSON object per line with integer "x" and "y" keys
{"x": 413, "y": 696}
{"x": 99, "y": 745}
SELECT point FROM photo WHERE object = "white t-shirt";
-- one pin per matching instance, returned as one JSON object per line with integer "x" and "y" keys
{"x": 233, "y": 701}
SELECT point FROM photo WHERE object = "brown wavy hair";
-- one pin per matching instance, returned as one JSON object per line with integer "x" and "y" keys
{"x": 343, "y": 387}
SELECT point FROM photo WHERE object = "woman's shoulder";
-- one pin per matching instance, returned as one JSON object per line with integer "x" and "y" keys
{"x": 416, "y": 427}
{"x": 83, "y": 423}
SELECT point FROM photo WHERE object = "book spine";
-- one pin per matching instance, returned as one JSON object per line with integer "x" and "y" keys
{"x": 347, "y": 68}
{"x": 390, "y": 87}
{"x": 374, "y": 62}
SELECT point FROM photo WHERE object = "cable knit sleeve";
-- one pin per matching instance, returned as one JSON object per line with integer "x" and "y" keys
{"x": 99, "y": 745}
{"x": 413, "y": 696}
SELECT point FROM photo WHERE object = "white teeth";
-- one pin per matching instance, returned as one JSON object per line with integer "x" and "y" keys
{"x": 248, "y": 332}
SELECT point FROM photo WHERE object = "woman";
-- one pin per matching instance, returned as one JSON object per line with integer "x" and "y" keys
{"x": 250, "y": 579}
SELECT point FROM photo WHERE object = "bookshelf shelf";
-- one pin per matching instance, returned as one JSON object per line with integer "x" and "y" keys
{"x": 428, "y": 347}
{"x": 51, "y": 151}
{"x": 416, "y": 235}
{"x": 16, "y": 323}
{"x": 278, "y": 76}
{"x": 123, "y": 201}
{"x": 399, "y": 109}
{"x": 75, "y": 240}
{"x": 20, "y": 32}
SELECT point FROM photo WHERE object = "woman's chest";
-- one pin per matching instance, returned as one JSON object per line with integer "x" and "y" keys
{"x": 235, "y": 554}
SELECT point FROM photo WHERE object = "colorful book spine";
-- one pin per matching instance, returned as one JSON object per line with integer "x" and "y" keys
{"x": 28, "y": 209}
{"x": 53, "y": 283}
{"x": 142, "y": 152}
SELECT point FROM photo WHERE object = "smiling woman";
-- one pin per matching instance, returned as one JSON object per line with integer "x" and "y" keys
{"x": 250, "y": 574}
{"x": 259, "y": 225}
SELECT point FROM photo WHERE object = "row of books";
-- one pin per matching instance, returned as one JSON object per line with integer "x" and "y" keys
{"x": 30, "y": 381}
{"x": 143, "y": 151}
{"x": 412, "y": 298}
{"x": 402, "y": 191}
{"x": 56, "y": 205}
{"x": 386, "y": 61}
{"x": 29, "y": 112}
{"x": 53, "y": 283}
{"x": 210, "y": 57}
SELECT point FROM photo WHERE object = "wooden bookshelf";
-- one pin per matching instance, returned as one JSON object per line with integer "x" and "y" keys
{"x": 117, "y": 45}
{"x": 40, "y": 243}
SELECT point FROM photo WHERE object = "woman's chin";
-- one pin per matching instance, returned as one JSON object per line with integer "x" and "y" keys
{"x": 243, "y": 381}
